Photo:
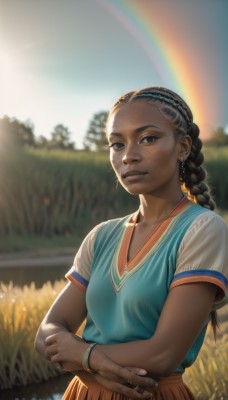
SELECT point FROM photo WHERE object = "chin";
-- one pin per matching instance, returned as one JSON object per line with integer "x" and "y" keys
{"x": 134, "y": 191}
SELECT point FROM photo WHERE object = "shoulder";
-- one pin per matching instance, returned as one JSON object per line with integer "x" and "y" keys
{"x": 206, "y": 225}
{"x": 95, "y": 239}
{"x": 203, "y": 253}
{"x": 110, "y": 229}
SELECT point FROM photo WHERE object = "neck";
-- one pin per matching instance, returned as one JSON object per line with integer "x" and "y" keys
{"x": 154, "y": 209}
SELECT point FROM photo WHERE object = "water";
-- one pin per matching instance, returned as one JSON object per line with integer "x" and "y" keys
{"x": 50, "y": 390}
{"x": 25, "y": 275}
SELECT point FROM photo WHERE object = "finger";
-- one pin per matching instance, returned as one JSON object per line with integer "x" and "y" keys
{"x": 50, "y": 339}
{"x": 114, "y": 372}
{"x": 57, "y": 365}
{"x": 137, "y": 371}
{"x": 131, "y": 392}
{"x": 50, "y": 351}
{"x": 122, "y": 389}
{"x": 136, "y": 379}
{"x": 56, "y": 358}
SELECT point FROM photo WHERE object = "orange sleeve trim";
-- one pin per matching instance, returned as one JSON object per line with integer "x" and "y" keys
{"x": 73, "y": 279}
{"x": 207, "y": 279}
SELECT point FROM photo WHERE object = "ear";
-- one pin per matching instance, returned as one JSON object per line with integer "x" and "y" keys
{"x": 185, "y": 144}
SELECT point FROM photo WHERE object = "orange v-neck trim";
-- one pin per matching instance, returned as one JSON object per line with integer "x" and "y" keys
{"x": 123, "y": 263}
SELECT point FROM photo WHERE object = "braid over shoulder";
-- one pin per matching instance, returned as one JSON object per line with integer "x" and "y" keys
{"x": 193, "y": 175}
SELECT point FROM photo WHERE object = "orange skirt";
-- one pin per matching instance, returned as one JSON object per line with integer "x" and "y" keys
{"x": 169, "y": 388}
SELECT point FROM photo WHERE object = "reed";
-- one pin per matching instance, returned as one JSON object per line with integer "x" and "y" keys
{"x": 208, "y": 377}
{"x": 22, "y": 310}
{"x": 57, "y": 193}
{"x": 54, "y": 193}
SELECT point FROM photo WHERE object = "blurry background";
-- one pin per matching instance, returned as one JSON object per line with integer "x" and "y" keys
{"x": 63, "y": 63}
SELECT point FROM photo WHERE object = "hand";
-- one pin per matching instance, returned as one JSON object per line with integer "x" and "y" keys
{"x": 128, "y": 381}
{"x": 63, "y": 351}
{"x": 72, "y": 367}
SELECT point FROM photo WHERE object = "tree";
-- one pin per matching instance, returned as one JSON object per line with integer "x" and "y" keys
{"x": 42, "y": 142}
{"x": 95, "y": 138}
{"x": 16, "y": 133}
{"x": 218, "y": 138}
{"x": 60, "y": 138}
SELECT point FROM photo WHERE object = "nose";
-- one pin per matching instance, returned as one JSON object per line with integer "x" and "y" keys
{"x": 131, "y": 155}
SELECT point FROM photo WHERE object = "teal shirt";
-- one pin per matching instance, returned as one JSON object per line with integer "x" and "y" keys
{"x": 125, "y": 306}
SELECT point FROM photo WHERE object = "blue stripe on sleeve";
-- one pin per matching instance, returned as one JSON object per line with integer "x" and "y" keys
{"x": 201, "y": 272}
{"x": 80, "y": 278}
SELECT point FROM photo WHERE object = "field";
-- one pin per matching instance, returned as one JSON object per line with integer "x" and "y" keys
{"x": 56, "y": 194}
{"x": 22, "y": 309}
{"x": 47, "y": 195}
{"x": 51, "y": 199}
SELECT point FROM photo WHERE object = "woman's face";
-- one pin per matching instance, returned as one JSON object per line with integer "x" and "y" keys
{"x": 144, "y": 151}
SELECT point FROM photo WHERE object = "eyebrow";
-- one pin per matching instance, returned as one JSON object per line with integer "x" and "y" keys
{"x": 137, "y": 130}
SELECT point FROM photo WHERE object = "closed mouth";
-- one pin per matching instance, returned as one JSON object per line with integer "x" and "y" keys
{"x": 133, "y": 173}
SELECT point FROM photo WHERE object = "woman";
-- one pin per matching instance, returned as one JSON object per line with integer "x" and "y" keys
{"x": 147, "y": 283}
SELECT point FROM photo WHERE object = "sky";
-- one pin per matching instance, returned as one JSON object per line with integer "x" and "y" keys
{"x": 62, "y": 61}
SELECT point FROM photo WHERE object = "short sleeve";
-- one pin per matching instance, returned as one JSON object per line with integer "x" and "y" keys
{"x": 79, "y": 274}
{"x": 203, "y": 254}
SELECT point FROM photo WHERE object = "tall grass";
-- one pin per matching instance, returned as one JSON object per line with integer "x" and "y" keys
{"x": 208, "y": 377}
{"x": 21, "y": 311}
{"x": 216, "y": 160}
{"x": 56, "y": 193}
{"x": 60, "y": 192}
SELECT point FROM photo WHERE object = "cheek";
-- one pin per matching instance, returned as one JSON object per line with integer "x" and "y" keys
{"x": 169, "y": 152}
{"x": 115, "y": 162}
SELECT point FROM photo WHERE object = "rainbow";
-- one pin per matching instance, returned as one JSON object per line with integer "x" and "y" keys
{"x": 167, "y": 60}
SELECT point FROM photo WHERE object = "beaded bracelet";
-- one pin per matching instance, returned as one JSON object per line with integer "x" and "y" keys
{"x": 85, "y": 362}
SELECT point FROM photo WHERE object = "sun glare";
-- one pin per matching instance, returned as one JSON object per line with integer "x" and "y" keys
{"x": 5, "y": 65}
{"x": 9, "y": 82}
{"x": 6, "y": 69}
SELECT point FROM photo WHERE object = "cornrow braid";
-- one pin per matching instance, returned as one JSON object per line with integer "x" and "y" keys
{"x": 195, "y": 175}
{"x": 176, "y": 109}
{"x": 168, "y": 99}
{"x": 193, "y": 178}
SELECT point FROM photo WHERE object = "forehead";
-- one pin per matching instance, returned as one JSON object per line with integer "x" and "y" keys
{"x": 136, "y": 114}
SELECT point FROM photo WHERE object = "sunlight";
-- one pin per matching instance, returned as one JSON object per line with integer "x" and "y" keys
{"x": 4, "y": 62}
{"x": 12, "y": 82}
{"x": 6, "y": 67}
{"x": 7, "y": 80}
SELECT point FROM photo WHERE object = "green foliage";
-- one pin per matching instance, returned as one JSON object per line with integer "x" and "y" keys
{"x": 57, "y": 193}
{"x": 216, "y": 160}
{"x": 15, "y": 133}
{"x": 95, "y": 138}
{"x": 218, "y": 138}
{"x": 60, "y": 138}
{"x": 53, "y": 193}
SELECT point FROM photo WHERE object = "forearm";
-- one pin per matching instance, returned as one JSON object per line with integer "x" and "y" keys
{"x": 146, "y": 354}
{"x": 65, "y": 350}
{"x": 183, "y": 317}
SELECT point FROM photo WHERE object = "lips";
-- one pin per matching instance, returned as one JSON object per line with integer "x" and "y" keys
{"x": 133, "y": 173}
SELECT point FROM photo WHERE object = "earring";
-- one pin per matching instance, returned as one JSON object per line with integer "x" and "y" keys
{"x": 182, "y": 170}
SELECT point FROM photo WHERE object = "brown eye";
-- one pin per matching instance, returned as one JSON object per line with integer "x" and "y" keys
{"x": 116, "y": 145}
{"x": 149, "y": 139}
